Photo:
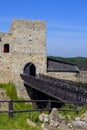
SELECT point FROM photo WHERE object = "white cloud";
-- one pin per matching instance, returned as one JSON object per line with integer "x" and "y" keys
{"x": 67, "y": 26}
{"x": 67, "y": 35}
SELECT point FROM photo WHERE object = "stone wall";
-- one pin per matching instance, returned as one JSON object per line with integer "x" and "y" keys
{"x": 29, "y": 36}
{"x": 5, "y": 58}
{"x": 78, "y": 77}
{"x": 83, "y": 76}
{"x": 64, "y": 75}
{"x": 5, "y": 68}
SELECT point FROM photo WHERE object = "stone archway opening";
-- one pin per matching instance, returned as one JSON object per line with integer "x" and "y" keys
{"x": 30, "y": 69}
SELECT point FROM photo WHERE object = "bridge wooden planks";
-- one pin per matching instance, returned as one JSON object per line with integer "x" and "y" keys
{"x": 63, "y": 90}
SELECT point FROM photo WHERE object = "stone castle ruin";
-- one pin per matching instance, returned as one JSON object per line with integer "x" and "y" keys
{"x": 23, "y": 50}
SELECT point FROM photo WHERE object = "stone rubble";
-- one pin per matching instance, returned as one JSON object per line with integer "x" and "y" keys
{"x": 44, "y": 118}
{"x": 83, "y": 117}
{"x": 29, "y": 122}
{"x": 54, "y": 118}
{"x": 56, "y": 121}
{"x": 80, "y": 123}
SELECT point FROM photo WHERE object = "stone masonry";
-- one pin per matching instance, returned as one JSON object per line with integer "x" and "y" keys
{"x": 26, "y": 41}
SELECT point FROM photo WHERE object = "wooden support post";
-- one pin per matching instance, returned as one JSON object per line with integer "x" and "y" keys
{"x": 11, "y": 112}
{"x": 77, "y": 100}
{"x": 49, "y": 106}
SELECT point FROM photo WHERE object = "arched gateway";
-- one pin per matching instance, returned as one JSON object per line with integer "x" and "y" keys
{"x": 30, "y": 69}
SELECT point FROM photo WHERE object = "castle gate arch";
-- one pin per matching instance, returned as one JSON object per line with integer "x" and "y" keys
{"x": 30, "y": 69}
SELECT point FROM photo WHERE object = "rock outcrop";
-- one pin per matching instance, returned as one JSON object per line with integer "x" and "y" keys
{"x": 55, "y": 121}
{"x": 80, "y": 123}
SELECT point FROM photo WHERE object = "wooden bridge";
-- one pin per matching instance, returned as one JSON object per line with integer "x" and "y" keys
{"x": 59, "y": 89}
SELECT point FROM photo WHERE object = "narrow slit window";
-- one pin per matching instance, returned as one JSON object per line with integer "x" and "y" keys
{"x": 6, "y": 48}
{"x": 30, "y": 38}
{"x": 0, "y": 39}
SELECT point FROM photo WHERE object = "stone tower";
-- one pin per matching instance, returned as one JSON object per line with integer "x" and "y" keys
{"x": 21, "y": 49}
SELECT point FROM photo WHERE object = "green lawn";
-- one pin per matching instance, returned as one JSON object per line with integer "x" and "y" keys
{"x": 19, "y": 119}
{"x": 17, "y": 122}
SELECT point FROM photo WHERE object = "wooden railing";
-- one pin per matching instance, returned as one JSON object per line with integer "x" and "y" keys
{"x": 11, "y": 110}
{"x": 66, "y": 83}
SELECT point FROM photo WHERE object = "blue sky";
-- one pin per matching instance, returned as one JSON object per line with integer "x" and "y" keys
{"x": 66, "y": 22}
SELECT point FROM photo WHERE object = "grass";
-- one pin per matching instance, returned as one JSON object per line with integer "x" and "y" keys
{"x": 19, "y": 119}
{"x": 18, "y": 122}
{"x": 10, "y": 90}
{"x": 73, "y": 113}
